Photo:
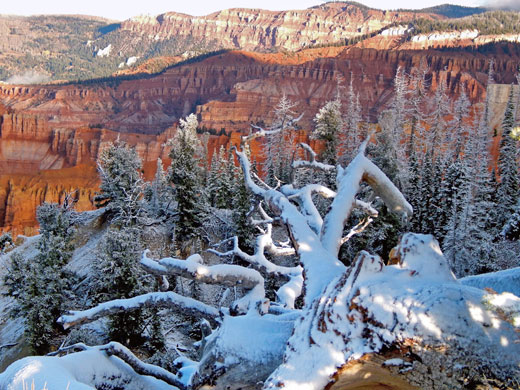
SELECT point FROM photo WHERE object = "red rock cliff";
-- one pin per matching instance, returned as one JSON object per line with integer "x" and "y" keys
{"x": 55, "y": 128}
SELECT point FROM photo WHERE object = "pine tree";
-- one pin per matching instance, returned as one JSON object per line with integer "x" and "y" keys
{"x": 329, "y": 123}
{"x": 121, "y": 183}
{"x": 508, "y": 188}
{"x": 43, "y": 286}
{"x": 6, "y": 241}
{"x": 158, "y": 195}
{"x": 351, "y": 126}
{"x": 185, "y": 175}
{"x": 117, "y": 274}
{"x": 511, "y": 230}
{"x": 214, "y": 178}
{"x": 279, "y": 146}
{"x": 452, "y": 193}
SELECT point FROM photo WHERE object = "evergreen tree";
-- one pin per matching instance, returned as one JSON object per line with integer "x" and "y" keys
{"x": 452, "y": 194}
{"x": 279, "y": 146}
{"x": 121, "y": 183}
{"x": 351, "y": 126}
{"x": 6, "y": 241}
{"x": 117, "y": 274}
{"x": 508, "y": 188}
{"x": 42, "y": 286}
{"x": 511, "y": 230}
{"x": 214, "y": 178}
{"x": 158, "y": 195}
{"x": 185, "y": 175}
{"x": 328, "y": 124}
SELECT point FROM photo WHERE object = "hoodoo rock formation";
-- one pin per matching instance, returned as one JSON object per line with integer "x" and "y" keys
{"x": 58, "y": 128}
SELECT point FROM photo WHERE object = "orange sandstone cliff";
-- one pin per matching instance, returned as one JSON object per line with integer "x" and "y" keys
{"x": 50, "y": 136}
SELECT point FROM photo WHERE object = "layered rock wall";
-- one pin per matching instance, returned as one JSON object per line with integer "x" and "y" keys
{"x": 46, "y": 128}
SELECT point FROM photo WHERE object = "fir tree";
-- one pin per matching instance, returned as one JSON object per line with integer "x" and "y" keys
{"x": 185, "y": 175}
{"x": 121, "y": 183}
{"x": 328, "y": 124}
{"x": 351, "y": 126}
{"x": 511, "y": 230}
{"x": 42, "y": 286}
{"x": 508, "y": 188}
{"x": 279, "y": 146}
{"x": 158, "y": 195}
{"x": 6, "y": 241}
{"x": 117, "y": 274}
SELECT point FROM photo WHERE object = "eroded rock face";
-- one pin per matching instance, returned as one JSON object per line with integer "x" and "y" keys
{"x": 255, "y": 29}
{"x": 56, "y": 127}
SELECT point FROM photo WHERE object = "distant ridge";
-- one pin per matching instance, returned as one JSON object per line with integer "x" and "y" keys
{"x": 454, "y": 11}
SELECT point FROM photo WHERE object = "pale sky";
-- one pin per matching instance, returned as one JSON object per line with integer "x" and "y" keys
{"x": 124, "y": 9}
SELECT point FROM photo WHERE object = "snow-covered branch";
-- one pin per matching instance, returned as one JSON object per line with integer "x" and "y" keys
{"x": 349, "y": 180}
{"x": 228, "y": 275}
{"x": 116, "y": 349}
{"x": 312, "y": 163}
{"x": 267, "y": 132}
{"x": 320, "y": 266}
{"x": 167, "y": 299}
{"x": 258, "y": 260}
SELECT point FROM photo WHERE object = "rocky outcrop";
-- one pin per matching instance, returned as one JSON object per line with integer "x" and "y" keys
{"x": 57, "y": 127}
{"x": 256, "y": 29}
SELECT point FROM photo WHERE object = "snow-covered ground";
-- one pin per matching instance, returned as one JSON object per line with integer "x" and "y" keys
{"x": 501, "y": 281}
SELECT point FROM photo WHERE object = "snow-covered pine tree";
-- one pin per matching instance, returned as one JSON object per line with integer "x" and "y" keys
{"x": 116, "y": 275}
{"x": 43, "y": 286}
{"x": 451, "y": 197}
{"x": 508, "y": 188}
{"x": 437, "y": 125}
{"x": 158, "y": 195}
{"x": 6, "y": 241}
{"x": 459, "y": 124}
{"x": 279, "y": 146}
{"x": 214, "y": 177}
{"x": 185, "y": 175}
{"x": 511, "y": 230}
{"x": 328, "y": 125}
{"x": 121, "y": 182}
{"x": 352, "y": 137}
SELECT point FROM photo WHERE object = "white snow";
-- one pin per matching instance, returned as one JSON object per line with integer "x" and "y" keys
{"x": 78, "y": 371}
{"x": 131, "y": 60}
{"x": 501, "y": 281}
{"x": 373, "y": 305}
{"x": 395, "y": 362}
{"x": 104, "y": 52}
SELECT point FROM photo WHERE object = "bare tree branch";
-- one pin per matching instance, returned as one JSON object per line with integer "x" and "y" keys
{"x": 312, "y": 163}
{"x": 320, "y": 265}
{"x": 359, "y": 228}
{"x": 228, "y": 275}
{"x": 166, "y": 299}
{"x": 267, "y": 132}
{"x": 349, "y": 179}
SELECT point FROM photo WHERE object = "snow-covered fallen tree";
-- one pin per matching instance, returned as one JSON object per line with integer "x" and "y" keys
{"x": 411, "y": 316}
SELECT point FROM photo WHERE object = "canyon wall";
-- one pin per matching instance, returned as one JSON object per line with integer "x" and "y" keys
{"x": 51, "y": 136}
{"x": 256, "y": 29}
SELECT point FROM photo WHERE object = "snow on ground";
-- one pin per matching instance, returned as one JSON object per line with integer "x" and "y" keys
{"x": 372, "y": 306}
{"x": 104, "y": 52}
{"x": 501, "y": 281}
{"x": 78, "y": 371}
